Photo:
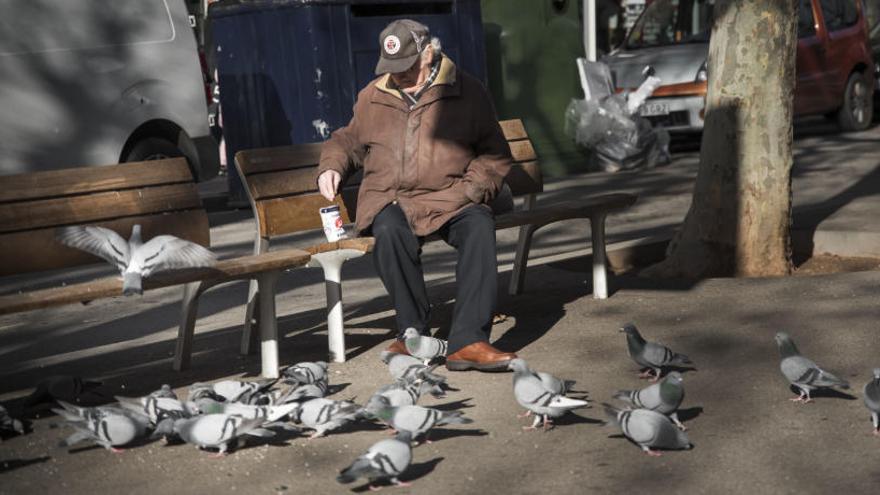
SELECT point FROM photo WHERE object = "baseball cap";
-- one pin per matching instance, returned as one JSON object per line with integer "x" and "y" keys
{"x": 400, "y": 44}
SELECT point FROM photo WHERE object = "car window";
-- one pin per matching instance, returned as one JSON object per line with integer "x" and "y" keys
{"x": 806, "y": 21}
{"x": 669, "y": 22}
{"x": 839, "y": 14}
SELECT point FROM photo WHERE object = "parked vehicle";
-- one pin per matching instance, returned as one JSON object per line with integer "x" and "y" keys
{"x": 834, "y": 62}
{"x": 88, "y": 82}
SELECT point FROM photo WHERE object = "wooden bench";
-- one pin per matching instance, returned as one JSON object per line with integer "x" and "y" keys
{"x": 280, "y": 183}
{"x": 161, "y": 196}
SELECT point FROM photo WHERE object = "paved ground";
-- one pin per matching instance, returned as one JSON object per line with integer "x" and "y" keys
{"x": 748, "y": 437}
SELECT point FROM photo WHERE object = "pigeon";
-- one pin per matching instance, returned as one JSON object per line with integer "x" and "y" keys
{"x": 63, "y": 387}
{"x": 8, "y": 423}
{"x": 323, "y": 415}
{"x": 872, "y": 400}
{"x": 532, "y": 393}
{"x": 408, "y": 393}
{"x": 651, "y": 355}
{"x": 155, "y": 408}
{"x": 803, "y": 373}
{"x": 305, "y": 373}
{"x": 648, "y": 429}
{"x": 270, "y": 414}
{"x": 230, "y": 390}
{"x": 305, "y": 392}
{"x": 219, "y": 430}
{"x": 109, "y": 427}
{"x": 134, "y": 258}
{"x": 385, "y": 460}
{"x": 416, "y": 420}
{"x": 409, "y": 368}
{"x": 663, "y": 397}
{"x": 423, "y": 346}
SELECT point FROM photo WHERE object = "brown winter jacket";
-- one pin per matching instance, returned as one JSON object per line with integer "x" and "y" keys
{"x": 445, "y": 154}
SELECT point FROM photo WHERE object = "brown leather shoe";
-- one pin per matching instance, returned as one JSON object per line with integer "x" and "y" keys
{"x": 397, "y": 347}
{"x": 479, "y": 356}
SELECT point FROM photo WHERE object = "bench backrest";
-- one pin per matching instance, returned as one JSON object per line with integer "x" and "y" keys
{"x": 280, "y": 182}
{"x": 160, "y": 195}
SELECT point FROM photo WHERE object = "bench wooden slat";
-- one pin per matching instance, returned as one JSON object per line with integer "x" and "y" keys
{"x": 522, "y": 151}
{"x": 262, "y": 160}
{"x": 55, "y": 183}
{"x": 231, "y": 269}
{"x": 513, "y": 129}
{"x": 96, "y": 207}
{"x": 36, "y": 250}
{"x": 364, "y": 244}
{"x": 576, "y": 208}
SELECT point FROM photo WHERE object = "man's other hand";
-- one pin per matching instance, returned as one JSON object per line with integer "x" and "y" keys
{"x": 328, "y": 184}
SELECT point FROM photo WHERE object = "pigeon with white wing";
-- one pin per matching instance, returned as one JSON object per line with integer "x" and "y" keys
{"x": 134, "y": 258}
{"x": 532, "y": 393}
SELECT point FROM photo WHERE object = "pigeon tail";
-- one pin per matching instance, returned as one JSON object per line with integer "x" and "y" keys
{"x": 131, "y": 284}
{"x": 827, "y": 379}
{"x": 454, "y": 418}
{"x": 624, "y": 395}
{"x": 680, "y": 359}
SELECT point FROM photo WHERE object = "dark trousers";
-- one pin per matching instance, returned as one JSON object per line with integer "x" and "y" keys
{"x": 397, "y": 256}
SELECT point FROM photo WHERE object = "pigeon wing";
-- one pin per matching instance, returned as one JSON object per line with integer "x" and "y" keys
{"x": 166, "y": 252}
{"x": 99, "y": 241}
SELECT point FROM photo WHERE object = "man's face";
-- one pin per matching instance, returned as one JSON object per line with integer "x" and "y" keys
{"x": 409, "y": 77}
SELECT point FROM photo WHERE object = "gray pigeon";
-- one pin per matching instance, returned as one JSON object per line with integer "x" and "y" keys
{"x": 323, "y": 415}
{"x": 8, "y": 423}
{"x": 385, "y": 460}
{"x": 407, "y": 393}
{"x": 872, "y": 400}
{"x": 663, "y": 397}
{"x": 651, "y": 355}
{"x": 648, "y": 429}
{"x": 532, "y": 393}
{"x": 155, "y": 408}
{"x": 219, "y": 430}
{"x": 134, "y": 258}
{"x": 416, "y": 420}
{"x": 802, "y": 372}
{"x": 423, "y": 346}
{"x": 305, "y": 373}
{"x": 408, "y": 368}
{"x": 109, "y": 427}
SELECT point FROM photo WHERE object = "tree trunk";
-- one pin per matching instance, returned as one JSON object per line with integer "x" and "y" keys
{"x": 739, "y": 219}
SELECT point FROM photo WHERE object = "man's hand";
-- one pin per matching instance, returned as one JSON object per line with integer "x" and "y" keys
{"x": 328, "y": 184}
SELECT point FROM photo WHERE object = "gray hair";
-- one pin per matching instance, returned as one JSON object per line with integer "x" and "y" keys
{"x": 436, "y": 47}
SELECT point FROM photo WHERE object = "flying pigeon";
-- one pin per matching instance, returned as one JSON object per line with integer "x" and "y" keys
{"x": 134, "y": 258}
{"x": 533, "y": 394}
{"x": 423, "y": 346}
{"x": 872, "y": 400}
{"x": 8, "y": 423}
{"x": 218, "y": 430}
{"x": 649, "y": 429}
{"x": 407, "y": 393}
{"x": 416, "y": 420}
{"x": 409, "y": 368}
{"x": 650, "y": 354}
{"x": 109, "y": 427}
{"x": 663, "y": 397}
{"x": 385, "y": 460}
{"x": 802, "y": 372}
{"x": 305, "y": 373}
{"x": 323, "y": 415}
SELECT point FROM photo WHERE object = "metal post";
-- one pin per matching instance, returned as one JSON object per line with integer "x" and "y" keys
{"x": 600, "y": 281}
{"x": 590, "y": 29}
{"x": 331, "y": 262}
{"x": 268, "y": 325}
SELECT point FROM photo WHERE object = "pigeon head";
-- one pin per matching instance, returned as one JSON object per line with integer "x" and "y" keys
{"x": 518, "y": 366}
{"x": 786, "y": 345}
{"x": 404, "y": 436}
{"x": 376, "y": 405}
{"x": 410, "y": 333}
{"x": 674, "y": 377}
{"x": 630, "y": 329}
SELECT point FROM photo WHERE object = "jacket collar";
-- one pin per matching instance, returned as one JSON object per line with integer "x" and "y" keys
{"x": 445, "y": 84}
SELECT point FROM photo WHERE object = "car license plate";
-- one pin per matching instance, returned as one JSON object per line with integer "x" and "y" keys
{"x": 651, "y": 109}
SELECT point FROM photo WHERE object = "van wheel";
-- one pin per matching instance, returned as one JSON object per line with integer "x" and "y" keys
{"x": 858, "y": 105}
{"x": 152, "y": 149}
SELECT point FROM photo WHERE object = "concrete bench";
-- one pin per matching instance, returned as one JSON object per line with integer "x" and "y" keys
{"x": 280, "y": 183}
{"x": 159, "y": 195}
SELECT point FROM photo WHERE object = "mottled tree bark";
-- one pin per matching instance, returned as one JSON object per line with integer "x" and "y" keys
{"x": 740, "y": 214}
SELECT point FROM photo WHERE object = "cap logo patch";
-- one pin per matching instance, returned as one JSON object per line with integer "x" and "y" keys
{"x": 391, "y": 44}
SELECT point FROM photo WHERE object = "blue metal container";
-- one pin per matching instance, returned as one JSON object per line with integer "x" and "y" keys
{"x": 290, "y": 70}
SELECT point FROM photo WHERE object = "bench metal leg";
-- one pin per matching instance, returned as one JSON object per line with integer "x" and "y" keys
{"x": 331, "y": 262}
{"x": 521, "y": 261}
{"x": 189, "y": 311}
{"x": 251, "y": 318}
{"x": 268, "y": 324}
{"x": 600, "y": 278}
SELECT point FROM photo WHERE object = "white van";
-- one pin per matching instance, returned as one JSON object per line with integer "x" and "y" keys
{"x": 97, "y": 82}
